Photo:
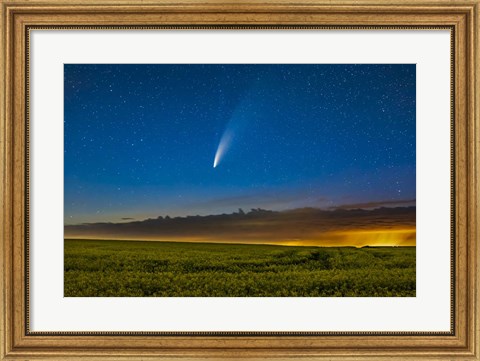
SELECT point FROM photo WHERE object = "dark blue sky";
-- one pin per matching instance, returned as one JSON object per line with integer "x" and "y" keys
{"x": 140, "y": 140}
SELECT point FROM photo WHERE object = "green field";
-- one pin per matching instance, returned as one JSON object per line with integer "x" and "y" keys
{"x": 160, "y": 269}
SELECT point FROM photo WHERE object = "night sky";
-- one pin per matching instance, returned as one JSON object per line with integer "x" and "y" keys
{"x": 141, "y": 140}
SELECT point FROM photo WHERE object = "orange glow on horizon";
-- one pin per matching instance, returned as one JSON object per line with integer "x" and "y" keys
{"x": 362, "y": 238}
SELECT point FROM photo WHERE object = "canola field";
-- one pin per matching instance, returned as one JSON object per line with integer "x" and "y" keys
{"x": 111, "y": 268}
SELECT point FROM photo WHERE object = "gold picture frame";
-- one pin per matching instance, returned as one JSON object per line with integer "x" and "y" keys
{"x": 19, "y": 17}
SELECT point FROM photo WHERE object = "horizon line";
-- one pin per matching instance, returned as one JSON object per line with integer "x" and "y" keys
{"x": 229, "y": 243}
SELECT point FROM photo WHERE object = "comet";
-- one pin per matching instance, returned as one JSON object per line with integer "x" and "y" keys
{"x": 223, "y": 146}
{"x": 242, "y": 114}
{"x": 232, "y": 130}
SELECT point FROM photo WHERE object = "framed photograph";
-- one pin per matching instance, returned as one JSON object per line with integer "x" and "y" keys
{"x": 239, "y": 180}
